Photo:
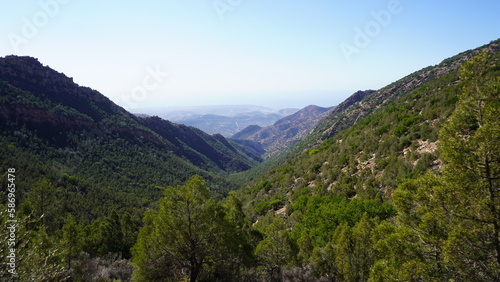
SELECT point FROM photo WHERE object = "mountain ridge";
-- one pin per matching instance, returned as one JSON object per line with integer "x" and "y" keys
{"x": 395, "y": 170}
{"x": 336, "y": 153}
{"x": 286, "y": 131}
{"x": 43, "y": 104}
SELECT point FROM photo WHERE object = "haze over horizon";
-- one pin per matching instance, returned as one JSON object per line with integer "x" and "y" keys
{"x": 279, "y": 54}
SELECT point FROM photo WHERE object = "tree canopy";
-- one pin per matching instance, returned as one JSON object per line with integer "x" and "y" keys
{"x": 186, "y": 234}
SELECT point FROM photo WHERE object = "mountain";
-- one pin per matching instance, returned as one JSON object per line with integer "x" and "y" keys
{"x": 361, "y": 104}
{"x": 225, "y": 119}
{"x": 284, "y": 132}
{"x": 376, "y": 138}
{"x": 395, "y": 184}
{"x": 373, "y": 140}
{"x": 48, "y": 123}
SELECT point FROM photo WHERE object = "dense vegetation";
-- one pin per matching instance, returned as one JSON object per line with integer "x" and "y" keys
{"x": 80, "y": 157}
{"x": 378, "y": 202}
{"x": 403, "y": 186}
{"x": 94, "y": 155}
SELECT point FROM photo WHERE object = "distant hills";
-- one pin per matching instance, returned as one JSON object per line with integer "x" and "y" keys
{"x": 283, "y": 133}
{"x": 224, "y": 119}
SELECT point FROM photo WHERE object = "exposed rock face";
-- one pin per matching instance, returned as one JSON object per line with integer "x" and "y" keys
{"x": 345, "y": 110}
{"x": 284, "y": 132}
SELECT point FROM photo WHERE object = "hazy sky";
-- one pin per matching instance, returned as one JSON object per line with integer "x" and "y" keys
{"x": 280, "y": 53}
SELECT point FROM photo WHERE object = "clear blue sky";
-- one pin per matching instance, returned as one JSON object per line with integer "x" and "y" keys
{"x": 280, "y": 53}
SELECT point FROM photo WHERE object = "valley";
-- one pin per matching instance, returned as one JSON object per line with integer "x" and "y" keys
{"x": 398, "y": 183}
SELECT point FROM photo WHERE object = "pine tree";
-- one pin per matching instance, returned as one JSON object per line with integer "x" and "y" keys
{"x": 471, "y": 150}
{"x": 129, "y": 234}
{"x": 275, "y": 251}
{"x": 40, "y": 203}
{"x": 353, "y": 249}
{"x": 423, "y": 228}
{"x": 187, "y": 233}
{"x": 71, "y": 241}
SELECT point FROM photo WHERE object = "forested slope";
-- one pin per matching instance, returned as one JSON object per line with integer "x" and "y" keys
{"x": 44, "y": 112}
{"x": 343, "y": 202}
{"x": 79, "y": 157}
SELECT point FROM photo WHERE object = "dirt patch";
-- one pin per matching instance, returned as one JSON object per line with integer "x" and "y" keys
{"x": 280, "y": 212}
{"x": 426, "y": 147}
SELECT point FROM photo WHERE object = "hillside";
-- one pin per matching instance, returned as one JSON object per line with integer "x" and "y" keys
{"x": 362, "y": 104}
{"x": 368, "y": 151}
{"x": 375, "y": 138}
{"x": 278, "y": 137}
{"x": 50, "y": 124}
